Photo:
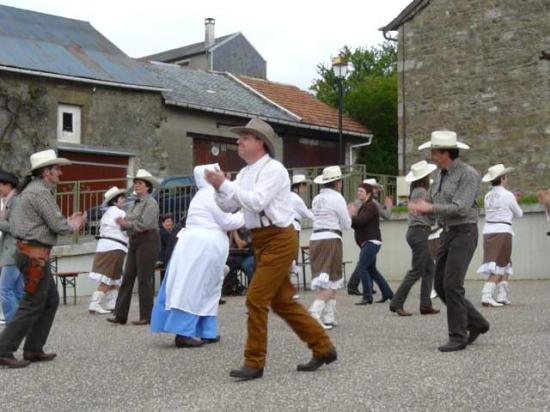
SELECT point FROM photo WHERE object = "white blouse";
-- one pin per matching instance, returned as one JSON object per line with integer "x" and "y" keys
{"x": 300, "y": 211}
{"x": 204, "y": 213}
{"x": 329, "y": 212}
{"x": 501, "y": 207}
{"x": 109, "y": 228}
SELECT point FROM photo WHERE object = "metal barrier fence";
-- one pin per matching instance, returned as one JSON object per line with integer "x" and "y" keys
{"x": 173, "y": 199}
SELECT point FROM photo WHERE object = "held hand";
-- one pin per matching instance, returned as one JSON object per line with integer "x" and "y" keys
{"x": 123, "y": 223}
{"x": 420, "y": 207}
{"x": 352, "y": 209}
{"x": 215, "y": 178}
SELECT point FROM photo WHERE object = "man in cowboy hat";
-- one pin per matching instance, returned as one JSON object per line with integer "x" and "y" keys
{"x": 453, "y": 203}
{"x": 262, "y": 190}
{"x": 36, "y": 222}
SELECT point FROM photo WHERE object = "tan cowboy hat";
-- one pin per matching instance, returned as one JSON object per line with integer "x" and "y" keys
{"x": 112, "y": 193}
{"x": 443, "y": 139}
{"x": 372, "y": 182}
{"x": 296, "y": 179}
{"x": 260, "y": 129}
{"x": 419, "y": 170}
{"x": 46, "y": 158}
{"x": 496, "y": 171}
{"x": 144, "y": 175}
{"x": 330, "y": 174}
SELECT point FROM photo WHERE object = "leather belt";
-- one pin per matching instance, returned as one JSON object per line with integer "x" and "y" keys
{"x": 338, "y": 232}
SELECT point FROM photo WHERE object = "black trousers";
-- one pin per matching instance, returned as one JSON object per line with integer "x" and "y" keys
{"x": 143, "y": 252}
{"x": 34, "y": 317}
{"x": 455, "y": 253}
{"x": 422, "y": 268}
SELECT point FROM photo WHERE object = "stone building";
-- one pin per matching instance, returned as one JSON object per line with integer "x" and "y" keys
{"x": 232, "y": 53}
{"x": 481, "y": 68}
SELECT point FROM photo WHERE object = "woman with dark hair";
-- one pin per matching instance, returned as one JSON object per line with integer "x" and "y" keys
{"x": 365, "y": 220}
{"x": 417, "y": 237}
{"x": 330, "y": 219}
{"x": 110, "y": 253}
{"x": 141, "y": 223}
{"x": 501, "y": 207}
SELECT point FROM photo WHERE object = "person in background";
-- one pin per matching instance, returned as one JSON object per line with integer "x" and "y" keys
{"x": 417, "y": 238}
{"x": 241, "y": 239}
{"x": 330, "y": 219}
{"x": 501, "y": 207}
{"x": 166, "y": 227}
{"x": 544, "y": 199}
{"x": 11, "y": 280}
{"x": 111, "y": 250}
{"x": 141, "y": 223}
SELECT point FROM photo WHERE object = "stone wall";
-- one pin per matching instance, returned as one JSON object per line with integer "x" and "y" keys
{"x": 120, "y": 119}
{"x": 474, "y": 67}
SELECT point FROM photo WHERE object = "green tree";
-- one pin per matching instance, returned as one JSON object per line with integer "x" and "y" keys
{"x": 370, "y": 97}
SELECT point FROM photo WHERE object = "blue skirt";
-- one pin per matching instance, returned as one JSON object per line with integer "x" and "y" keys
{"x": 180, "y": 322}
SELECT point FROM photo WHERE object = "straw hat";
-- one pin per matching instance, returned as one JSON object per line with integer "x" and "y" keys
{"x": 443, "y": 139}
{"x": 296, "y": 179}
{"x": 330, "y": 174}
{"x": 112, "y": 193}
{"x": 496, "y": 171}
{"x": 144, "y": 175}
{"x": 419, "y": 170}
{"x": 260, "y": 129}
{"x": 372, "y": 182}
{"x": 46, "y": 158}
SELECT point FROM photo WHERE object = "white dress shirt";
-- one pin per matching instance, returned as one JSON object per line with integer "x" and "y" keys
{"x": 500, "y": 206}
{"x": 263, "y": 186}
{"x": 300, "y": 211}
{"x": 329, "y": 212}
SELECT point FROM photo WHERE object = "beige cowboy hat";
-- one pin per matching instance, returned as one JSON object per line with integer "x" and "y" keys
{"x": 144, "y": 175}
{"x": 46, "y": 158}
{"x": 419, "y": 170}
{"x": 260, "y": 129}
{"x": 372, "y": 182}
{"x": 330, "y": 174}
{"x": 496, "y": 171}
{"x": 296, "y": 179}
{"x": 443, "y": 139}
{"x": 112, "y": 193}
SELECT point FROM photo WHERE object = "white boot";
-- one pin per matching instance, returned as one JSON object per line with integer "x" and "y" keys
{"x": 110, "y": 298}
{"x": 316, "y": 311}
{"x": 503, "y": 291}
{"x": 95, "y": 304}
{"x": 487, "y": 295}
{"x": 329, "y": 315}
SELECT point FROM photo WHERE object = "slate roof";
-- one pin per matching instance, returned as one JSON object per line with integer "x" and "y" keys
{"x": 408, "y": 13}
{"x": 57, "y": 46}
{"x": 311, "y": 110}
{"x": 187, "y": 51}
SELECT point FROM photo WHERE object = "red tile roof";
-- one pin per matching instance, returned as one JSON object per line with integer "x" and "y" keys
{"x": 303, "y": 104}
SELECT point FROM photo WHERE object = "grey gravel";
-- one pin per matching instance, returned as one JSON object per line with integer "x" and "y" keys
{"x": 386, "y": 363}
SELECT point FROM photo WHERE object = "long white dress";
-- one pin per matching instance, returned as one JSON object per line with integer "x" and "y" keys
{"x": 188, "y": 300}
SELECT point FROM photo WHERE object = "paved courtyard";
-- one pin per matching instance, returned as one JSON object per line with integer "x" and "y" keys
{"x": 386, "y": 363}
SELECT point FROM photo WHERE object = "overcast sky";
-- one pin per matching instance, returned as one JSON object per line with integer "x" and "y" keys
{"x": 293, "y": 36}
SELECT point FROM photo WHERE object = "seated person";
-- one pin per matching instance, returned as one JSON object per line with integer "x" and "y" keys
{"x": 240, "y": 240}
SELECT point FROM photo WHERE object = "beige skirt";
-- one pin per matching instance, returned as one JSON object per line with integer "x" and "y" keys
{"x": 497, "y": 254}
{"x": 109, "y": 264}
{"x": 326, "y": 257}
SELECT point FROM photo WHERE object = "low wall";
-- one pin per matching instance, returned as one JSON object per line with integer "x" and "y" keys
{"x": 531, "y": 251}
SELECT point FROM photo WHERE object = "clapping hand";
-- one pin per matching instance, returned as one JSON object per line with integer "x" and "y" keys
{"x": 353, "y": 209}
{"x": 388, "y": 202}
{"x": 215, "y": 177}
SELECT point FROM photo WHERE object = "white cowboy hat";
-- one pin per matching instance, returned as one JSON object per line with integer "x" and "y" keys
{"x": 260, "y": 129}
{"x": 330, "y": 174}
{"x": 496, "y": 171}
{"x": 296, "y": 179}
{"x": 419, "y": 170}
{"x": 112, "y": 193}
{"x": 443, "y": 139}
{"x": 144, "y": 175}
{"x": 372, "y": 182}
{"x": 46, "y": 158}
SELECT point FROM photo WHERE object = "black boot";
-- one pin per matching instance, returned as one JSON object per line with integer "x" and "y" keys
{"x": 315, "y": 363}
{"x": 247, "y": 374}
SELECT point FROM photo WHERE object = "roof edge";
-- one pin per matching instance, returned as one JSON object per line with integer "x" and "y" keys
{"x": 406, "y": 14}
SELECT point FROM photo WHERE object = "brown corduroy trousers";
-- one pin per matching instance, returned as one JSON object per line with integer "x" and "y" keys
{"x": 275, "y": 248}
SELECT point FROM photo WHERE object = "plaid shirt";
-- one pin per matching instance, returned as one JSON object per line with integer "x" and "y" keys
{"x": 143, "y": 216}
{"x": 37, "y": 216}
{"x": 454, "y": 193}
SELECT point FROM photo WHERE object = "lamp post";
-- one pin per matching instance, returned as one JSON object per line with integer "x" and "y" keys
{"x": 340, "y": 69}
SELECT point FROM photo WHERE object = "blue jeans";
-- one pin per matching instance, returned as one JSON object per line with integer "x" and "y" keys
{"x": 12, "y": 290}
{"x": 366, "y": 267}
{"x": 249, "y": 266}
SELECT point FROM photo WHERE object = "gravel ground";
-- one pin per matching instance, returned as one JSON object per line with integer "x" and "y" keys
{"x": 386, "y": 363}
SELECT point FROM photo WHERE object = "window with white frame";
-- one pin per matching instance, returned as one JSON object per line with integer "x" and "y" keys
{"x": 68, "y": 123}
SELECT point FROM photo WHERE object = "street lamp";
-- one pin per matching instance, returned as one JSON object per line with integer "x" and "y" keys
{"x": 340, "y": 69}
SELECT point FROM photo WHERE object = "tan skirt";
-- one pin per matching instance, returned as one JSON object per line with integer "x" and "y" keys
{"x": 497, "y": 247}
{"x": 326, "y": 257}
{"x": 109, "y": 264}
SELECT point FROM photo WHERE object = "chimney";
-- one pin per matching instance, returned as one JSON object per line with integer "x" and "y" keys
{"x": 209, "y": 24}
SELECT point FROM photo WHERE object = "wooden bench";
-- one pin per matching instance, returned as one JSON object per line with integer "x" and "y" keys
{"x": 68, "y": 279}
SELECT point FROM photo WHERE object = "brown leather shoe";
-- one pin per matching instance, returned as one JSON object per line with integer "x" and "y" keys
{"x": 429, "y": 311}
{"x": 117, "y": 321}
{"x": 399, "y": 311}
{"x": 315, "y": 363}
{"x": 140, "y": 322}
{"x": 13, "y": 363}
{"x": 247, "y": 374}
{"x": 38, "y": 356}
{"x": 187, "y": 342}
